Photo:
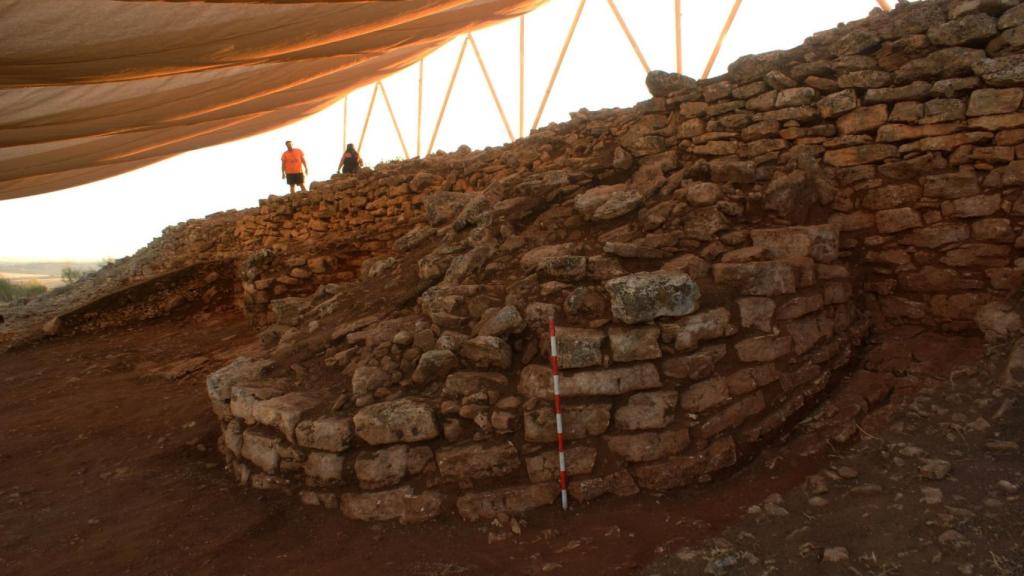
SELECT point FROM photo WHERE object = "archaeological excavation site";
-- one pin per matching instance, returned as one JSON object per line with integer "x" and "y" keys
{"x": 786, "y": 300}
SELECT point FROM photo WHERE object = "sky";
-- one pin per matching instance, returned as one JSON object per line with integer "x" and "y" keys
{"x": 115, "y": 217}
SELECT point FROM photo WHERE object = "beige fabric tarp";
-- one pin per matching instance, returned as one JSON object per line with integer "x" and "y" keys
{"x": 94, "y": 88}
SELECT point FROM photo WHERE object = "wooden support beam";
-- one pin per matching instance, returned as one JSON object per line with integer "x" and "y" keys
{"x": 522, "y": 71}
{"x": 679, "y": 37}
{"x": 490, "y": 86}
{"x": 629, "y": 36}
{"x": 344, "y": 124}
{"x": 447, "y": 94}
{"x": 885, "y": 5}
{"x": 419, "y": 110}
{"x": 558, "y": 64}
{"x": 366, "y": 123}
{"x": 721, "y": 38}
{"x": 394, "y": 121}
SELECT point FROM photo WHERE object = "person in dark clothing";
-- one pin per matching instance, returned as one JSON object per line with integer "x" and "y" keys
{"x": 350, "y": 161}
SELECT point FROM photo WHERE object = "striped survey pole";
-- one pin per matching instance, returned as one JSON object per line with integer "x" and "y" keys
{"x": 562, "y": 478}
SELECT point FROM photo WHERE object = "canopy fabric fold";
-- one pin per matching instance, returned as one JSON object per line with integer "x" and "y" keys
{"x": 94, "y": 88}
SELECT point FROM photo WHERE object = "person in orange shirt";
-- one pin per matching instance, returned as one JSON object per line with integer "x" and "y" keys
{"x": 293, "y": 164}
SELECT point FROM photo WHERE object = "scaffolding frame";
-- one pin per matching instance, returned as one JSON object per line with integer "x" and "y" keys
{"x": 469, "y": 41}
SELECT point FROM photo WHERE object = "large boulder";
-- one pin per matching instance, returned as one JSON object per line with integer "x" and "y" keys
{"x": 644, "y": 296}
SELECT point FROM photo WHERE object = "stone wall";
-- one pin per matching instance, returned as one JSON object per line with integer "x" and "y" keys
{"x": 713, "y": 258}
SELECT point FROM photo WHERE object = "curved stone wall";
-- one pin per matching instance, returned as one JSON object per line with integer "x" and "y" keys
{"x": 713, "y": 258}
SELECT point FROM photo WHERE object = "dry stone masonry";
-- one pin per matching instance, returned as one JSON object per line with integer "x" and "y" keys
{"x": 714, "y": 257}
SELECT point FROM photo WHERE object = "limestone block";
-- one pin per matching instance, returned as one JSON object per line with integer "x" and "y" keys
{"x": 486, "y": 352}
{"x": 397, "y": 504}
{"x": 648, "y": 446}
{"x": 441, "y": 207}
{"x": 329, "y": 434}
{"x": 644, "y": 296}
{"x": 579, "y": 421}
{"x": 986, "y": 101}
{"x": 284, "y": 412}
{"x": 324, "y": 466}
{"x": 241, "y": 371}
{"x": 732, "y": 416}
{"x": 244, "y": 399}
{"x": 937, "y": 235}
{"x": 865, "y": 119}
{"x": 260, "y": 448}
{"x": 973, "y": 207}
{"x": 404, "y": 420}
{"x": 757, "y": 278}
{"x": 382, "y": 468}
{"x": 477, "y": 461}
{"x": 461, "y": 384}
{"x": 1002, "y": 71}
{"x": 819, "y": 242}
{"x": 838, "y": 103}
{"x": 943, "y": 110}
{"x": 512, "y": 500}
{"x": 532, "y": 258}
{"x": 577, "y": 347}
{"x": 764, "y": 348}
{"x": 694, "y": 366}
{"x": 607, "y": 202}
{"x": 619, "y": 483}
{"x": 647, "y": 411}
{"x": 703, "y": 326}
{"x": 704, "y": 395}
{"x": 897, "y": 219}
{"x": 891, "y": 196}
{"x": 610, "y": 381}
{"x": 367, "y": 379}
{"x": 756, "y": 313}
{"x": 992, "y": 230}
{"x": 564, "y": 267}
{"x": 857, "y": 155}
{"x": 543, "y": 467}
{"x": 632, "y": 344}
{"x": 970, "y": 29}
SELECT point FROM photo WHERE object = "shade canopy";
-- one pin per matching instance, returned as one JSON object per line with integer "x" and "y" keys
{"x": 94, "y": 88}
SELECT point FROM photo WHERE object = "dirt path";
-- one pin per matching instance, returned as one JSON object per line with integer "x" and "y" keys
{"x": 108, "y": 465}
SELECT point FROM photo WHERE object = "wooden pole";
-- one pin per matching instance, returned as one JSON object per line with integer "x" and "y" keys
{"x": 721, "y": 38}
{"x": 679, "y": 37}
{"x": 629, "y": 36}
{"x": 522, "y": 70}
{"x": 344, "y": 124}
{"x": 447, "y": 94}
{"x": 419, "y": 110}
{"x": 366, "y": 124}
{"x": 490, "y": 86}
{"x": 885, "y": 5}
{"x": 558, "y": 65}
{"x": 394, "y": 122}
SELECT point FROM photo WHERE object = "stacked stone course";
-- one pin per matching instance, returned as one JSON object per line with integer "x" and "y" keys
{"x": 713, "y": 258}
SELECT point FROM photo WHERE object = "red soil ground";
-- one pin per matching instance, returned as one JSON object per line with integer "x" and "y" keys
{"x": 108, "y": 465}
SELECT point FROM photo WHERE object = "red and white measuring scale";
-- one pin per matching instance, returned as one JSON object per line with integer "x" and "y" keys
{"x": 562, "y": 477}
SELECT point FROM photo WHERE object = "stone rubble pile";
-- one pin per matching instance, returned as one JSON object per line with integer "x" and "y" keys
{"x": 713, "y": 258}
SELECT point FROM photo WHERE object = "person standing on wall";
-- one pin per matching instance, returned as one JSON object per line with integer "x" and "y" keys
{"x": 293, "y": 165}
{"x": 351, "y": 162}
